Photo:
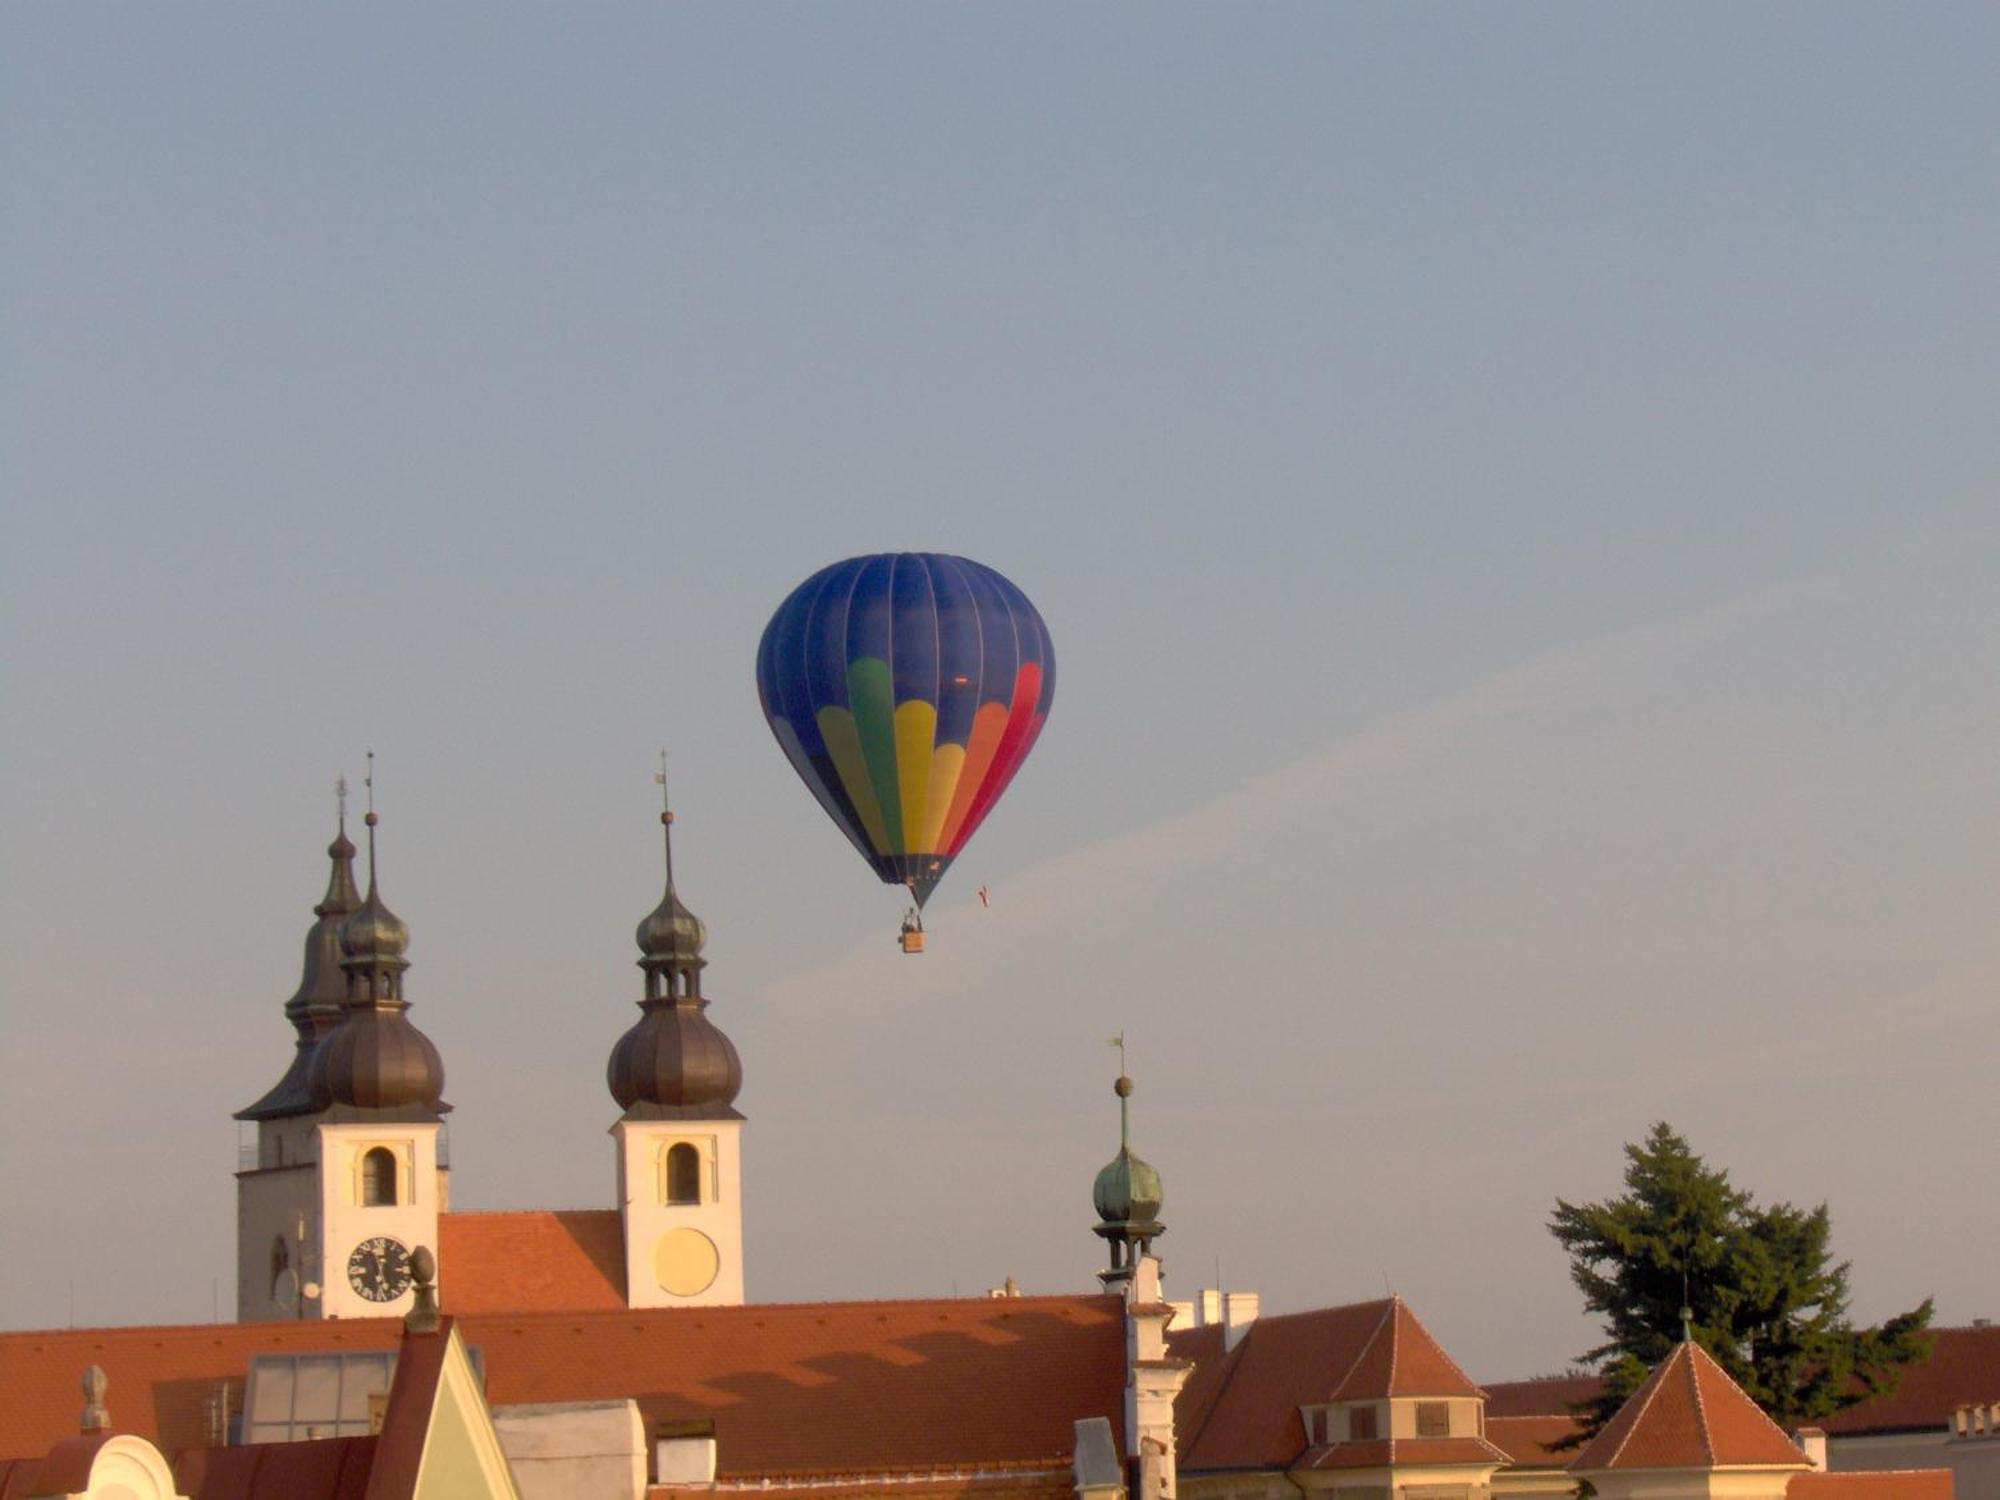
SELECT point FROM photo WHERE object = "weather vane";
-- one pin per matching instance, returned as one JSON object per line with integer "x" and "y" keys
{"x": 1118, "y": 1041}
{"x": 340, "y": 796}
{"x": 660, "y": 776}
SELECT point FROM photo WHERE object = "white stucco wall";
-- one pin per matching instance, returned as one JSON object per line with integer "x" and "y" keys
{"x": 649, "y": 1218}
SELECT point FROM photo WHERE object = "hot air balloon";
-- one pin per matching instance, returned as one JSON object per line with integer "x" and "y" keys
{"x": 906, "y": 689}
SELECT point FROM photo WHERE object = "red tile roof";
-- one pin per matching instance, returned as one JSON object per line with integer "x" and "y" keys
{"x": 1381, "y": 1452}
{"x": 1240, "y": 1410}
{"x": 1963, "y": 1368}
{"x": 1885, "y": 1484}
{"x": 325, "y": 1469}
{"x": 547, "y": 1260}
{"x": 1544, "y": 1396}
{"x": 1532, "y": 1442}
{"x": 1045, "y": 1479}
{"x": 902, "y": 1386}
{"x": 1688, "y": 1415}
{"x": 1402, "y": 1359}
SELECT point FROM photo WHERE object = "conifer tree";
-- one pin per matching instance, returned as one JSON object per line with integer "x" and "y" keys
{"x": 1763, "y": 1296}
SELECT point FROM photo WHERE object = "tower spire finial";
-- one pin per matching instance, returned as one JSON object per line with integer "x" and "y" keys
{"x": 1124, "y": 1091}
{"x": 368, "y": 781}
{"x": 340, "y": 800}
{"x": 666, "y": 816}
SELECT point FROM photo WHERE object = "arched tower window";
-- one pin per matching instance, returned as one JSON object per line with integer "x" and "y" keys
{"x": 378, "y": 1178}
{"x": 683, "y": 1174}
{"x": 281, "y": 1262}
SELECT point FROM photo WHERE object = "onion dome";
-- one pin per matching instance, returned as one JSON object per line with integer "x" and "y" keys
{"x": 375, "y": 1061}
{"x": 1127, "y": 1196}
{"x": 671, "y": 932}
{"x": 674, "y": 1062}
{"x": 314, "y": 1008}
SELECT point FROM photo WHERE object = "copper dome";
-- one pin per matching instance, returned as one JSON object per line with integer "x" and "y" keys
{"x": 674, "y": 1058}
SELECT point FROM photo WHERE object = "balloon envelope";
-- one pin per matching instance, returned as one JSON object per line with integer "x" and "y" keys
{"x": 906, "y": 689}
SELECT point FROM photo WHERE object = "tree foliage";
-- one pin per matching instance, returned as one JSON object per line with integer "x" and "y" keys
{"x": 1765, "y": 1298}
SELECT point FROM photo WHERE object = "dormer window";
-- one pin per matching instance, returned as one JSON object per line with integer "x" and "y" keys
{"x": 1361, "y": 1424}
{"x": 378, "y": 1178}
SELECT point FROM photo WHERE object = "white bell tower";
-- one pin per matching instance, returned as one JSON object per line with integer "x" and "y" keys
{"x": 680, "y": 1163}
{"x": 349, "y": 1175}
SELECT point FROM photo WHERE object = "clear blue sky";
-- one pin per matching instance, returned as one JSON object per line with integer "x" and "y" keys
{"x": 1513, "y": 490}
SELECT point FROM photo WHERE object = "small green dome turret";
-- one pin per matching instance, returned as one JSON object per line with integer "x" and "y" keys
{"x": 1127, "y": 1196}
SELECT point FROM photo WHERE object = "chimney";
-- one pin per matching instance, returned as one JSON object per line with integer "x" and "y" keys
{"x": 1098, "y": 1472}
{"x": 1239, "y": 1311}
{"x": 95, "y": 1384}
{"x": 684, "y": 1452}
{"x": 1813, "y": 1441}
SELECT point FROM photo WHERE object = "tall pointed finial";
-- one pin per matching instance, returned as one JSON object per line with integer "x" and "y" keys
{"x": 1123, "y": 1088}
{"x": 1687, "y": 1313}
{"x": 371, "y": 820}
{"x": 666, "y": 816}
{"x": 340, "y": 799}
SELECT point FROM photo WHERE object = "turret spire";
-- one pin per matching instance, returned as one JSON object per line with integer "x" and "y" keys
{"x": 375, "y": 1060}
{"x": 314, "y": 1008}
{"x": 1127, "y": 1194}
{"x": 674, "y": 1060}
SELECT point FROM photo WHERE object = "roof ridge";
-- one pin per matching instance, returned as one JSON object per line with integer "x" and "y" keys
{"x": 1769, "y": 1420}
{"x": 1232, "y": 1362}
{"x": 1388, "y": 1312}
{"x": 1700, "y": 1406}
{"x": 1315, "y": 1312}
{"x": 1656, "y": 1380}
{"x": 330, "y": 1326}
{"x": 1396, "y": 1306}
{"x": 1444, "y": 1353}
{"x": 515, "y": 1213}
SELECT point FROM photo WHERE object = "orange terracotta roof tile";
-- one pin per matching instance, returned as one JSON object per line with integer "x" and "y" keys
{"x": 1402, "y": 1359}
{"x": 1382, "y": 1452}
{"x": 1963, "y": 1368}
{"x": 1544, "y": 1396}
{"x": 324, "y": 1469}
{"x": 545, "y": 1260}
{"x": 1884, "y": 1484}
{"x": 1532, "y": 1442}
{"x": 1041, "y": 1483}
{"x": 863, "y": 1385}
{"x": 1197, "y": 1397}
{"x": 1240, "y": 1410}
{"x": 1688, "y": 1415}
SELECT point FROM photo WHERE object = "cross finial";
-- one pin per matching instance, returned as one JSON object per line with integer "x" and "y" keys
{"x": 1123, "y": 1089}
{"x": 368, "y": 782}
{"x": 666, "y": 816}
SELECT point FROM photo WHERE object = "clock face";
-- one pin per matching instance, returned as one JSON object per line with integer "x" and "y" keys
{"x": 379, "y": 1269}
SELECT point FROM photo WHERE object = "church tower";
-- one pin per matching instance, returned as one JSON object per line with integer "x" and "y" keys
{"x": 680, "y": 1165}
{"x": 1127, "y": 1196}
{"x": 349, "y": 1180}
{"x": 275, "y": 1188}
